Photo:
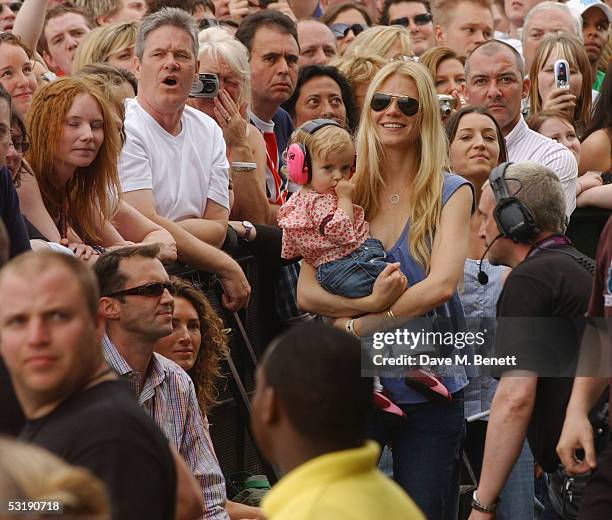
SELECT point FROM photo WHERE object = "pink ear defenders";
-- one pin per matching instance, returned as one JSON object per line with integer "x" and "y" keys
{"x": 298, "y": 159}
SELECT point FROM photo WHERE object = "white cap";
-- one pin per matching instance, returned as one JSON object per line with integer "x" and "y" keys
{"x": 580, "y": 6}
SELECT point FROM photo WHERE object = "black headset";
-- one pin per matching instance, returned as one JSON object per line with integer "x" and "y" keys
{"x": 514, "y": 220}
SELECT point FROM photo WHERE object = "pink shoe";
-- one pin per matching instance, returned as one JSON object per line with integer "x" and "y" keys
{"x": 425, "y": 382}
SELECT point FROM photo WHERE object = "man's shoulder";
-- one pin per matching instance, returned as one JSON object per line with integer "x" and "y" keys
{"x": 179, "y": 378}
{"x": 193, "y": 116}
{"x": 105, "y": 411}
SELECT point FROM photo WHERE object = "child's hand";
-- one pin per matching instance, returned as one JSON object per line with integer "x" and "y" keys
{"x": 345, "y": 189}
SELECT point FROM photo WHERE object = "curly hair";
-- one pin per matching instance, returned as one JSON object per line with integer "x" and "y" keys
{"x": 214, "y": 346}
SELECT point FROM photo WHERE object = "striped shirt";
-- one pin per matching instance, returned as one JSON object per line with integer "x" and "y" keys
{"x": 526, "y": 145}
{"x": 167, "y": 394}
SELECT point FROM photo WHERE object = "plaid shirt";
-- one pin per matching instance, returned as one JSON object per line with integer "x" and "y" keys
{"x": 168, "y": 396}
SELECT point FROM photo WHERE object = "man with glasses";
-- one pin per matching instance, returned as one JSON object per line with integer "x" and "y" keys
{"x": 137, "y": 305}
{"x": 462, "y": 25}
{"x": 9, "y": 203}
{"x": 8, "y": 12}
{"x": 413, "y": 15}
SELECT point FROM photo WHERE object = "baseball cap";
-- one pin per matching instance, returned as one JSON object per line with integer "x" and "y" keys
{"x": 580, "y": 6}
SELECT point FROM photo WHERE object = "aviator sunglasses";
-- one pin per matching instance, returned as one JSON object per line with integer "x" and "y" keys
{"x": 419, "y": 19}
{"x": 340, "y": 30}
{"x": 409, "y": 106}
{"x": 154, "y": 289}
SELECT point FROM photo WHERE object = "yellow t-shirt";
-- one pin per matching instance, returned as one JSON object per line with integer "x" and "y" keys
{"x": 337, "y": 486}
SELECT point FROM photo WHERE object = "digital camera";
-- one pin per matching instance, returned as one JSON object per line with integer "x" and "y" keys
{"x": 447, "y": 104}
{"x": 206, "y": 86}
{"x": 562, "y": 74}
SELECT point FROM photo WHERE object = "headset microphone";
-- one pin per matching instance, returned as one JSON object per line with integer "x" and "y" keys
{"x": 483, "y": 278}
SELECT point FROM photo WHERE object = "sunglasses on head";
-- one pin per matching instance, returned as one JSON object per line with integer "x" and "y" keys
{"x": 13, "y": 6}
{"x": 419, "y": 19}
{"x": 154, "y": 289}
{"x": 409, "y": 106}
{"x": 206, "y": 23}
{"x": 340, "y": 30}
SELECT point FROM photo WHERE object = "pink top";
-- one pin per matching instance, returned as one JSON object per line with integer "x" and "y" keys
{"x": 315, "y": 228}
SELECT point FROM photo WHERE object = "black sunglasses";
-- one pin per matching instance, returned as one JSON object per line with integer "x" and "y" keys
{"x": 409, "y": 106}
{"x": 340, "y": 30}
{"x": 149, "y": 290}
{"x": 419, "y": 19}
{"x": 13, "y": 6}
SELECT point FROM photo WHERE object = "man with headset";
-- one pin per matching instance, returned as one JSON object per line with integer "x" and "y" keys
{"x": 523, "y": 219}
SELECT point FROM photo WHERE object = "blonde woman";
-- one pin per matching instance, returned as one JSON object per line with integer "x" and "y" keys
{"x": 575, "y": 101}
{"x": 388, "y": 42}
{"x": 30, "y": 473}
{"x": 421, "y": 215}
{"x": 113, "y": 43}
{"x": 359, "y": 70}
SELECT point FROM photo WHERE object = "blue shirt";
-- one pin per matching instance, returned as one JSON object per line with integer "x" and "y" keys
{"x": 395, "y": 387}
{"x": 480, "y": 301}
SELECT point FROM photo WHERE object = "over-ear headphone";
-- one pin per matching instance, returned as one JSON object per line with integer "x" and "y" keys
{"x": 299, "y": 167}
{"x": 514, "y": 220}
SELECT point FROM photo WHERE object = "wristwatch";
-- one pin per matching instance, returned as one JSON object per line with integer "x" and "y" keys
{"x": 483, "y": 508}
{"x": 249, "y": 230}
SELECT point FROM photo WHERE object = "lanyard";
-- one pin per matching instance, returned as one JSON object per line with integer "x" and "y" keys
{"x": 552, "y": 242}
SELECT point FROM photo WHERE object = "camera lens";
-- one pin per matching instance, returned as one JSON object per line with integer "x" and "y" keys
{"x": 209, "y": 87}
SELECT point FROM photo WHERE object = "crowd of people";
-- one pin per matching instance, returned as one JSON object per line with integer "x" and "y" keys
{"x": 383, "y": 162}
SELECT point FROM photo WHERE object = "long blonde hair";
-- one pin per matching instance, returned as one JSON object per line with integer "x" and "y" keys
{"x": 432, "y": 160}
{"x": 92, "y": 194}
{"x": 101, "y": 42}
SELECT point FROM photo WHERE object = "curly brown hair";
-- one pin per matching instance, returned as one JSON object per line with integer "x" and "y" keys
{"x": 213, "y": 348}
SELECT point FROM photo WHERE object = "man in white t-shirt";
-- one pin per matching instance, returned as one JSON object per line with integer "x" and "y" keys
{"x": 173, "y": 167}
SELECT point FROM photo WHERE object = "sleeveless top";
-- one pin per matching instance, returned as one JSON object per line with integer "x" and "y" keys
{"x": 457, "y": 377}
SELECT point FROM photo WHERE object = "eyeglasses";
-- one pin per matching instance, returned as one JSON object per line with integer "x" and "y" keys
{"x": 409, "y": 106}
{"x": 13, "y": 6}
{"x": 419, "y": 19}
{"x": 206, "y": 23}
{"x": 20, "y": 146}
{"x": 340, "y": 30}
{"x": 149, "y": 290}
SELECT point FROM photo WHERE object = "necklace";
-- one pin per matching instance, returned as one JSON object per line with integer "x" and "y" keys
{"x": 394, "y": 199}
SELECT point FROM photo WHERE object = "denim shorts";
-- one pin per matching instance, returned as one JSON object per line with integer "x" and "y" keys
{"x": 353, "y": 275}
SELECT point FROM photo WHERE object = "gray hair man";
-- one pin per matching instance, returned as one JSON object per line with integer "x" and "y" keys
{"x": 173, "y": 167}
{"x": 547, "y": 281}
{"x": 545, "y": 18}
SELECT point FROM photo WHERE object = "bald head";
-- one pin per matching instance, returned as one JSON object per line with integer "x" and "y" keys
{"x": 30, "y": 266}
{"x": 317, "y": 43}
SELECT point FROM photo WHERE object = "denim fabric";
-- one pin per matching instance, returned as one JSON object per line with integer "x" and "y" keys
{"x": 427, "y": 450}
{"x": 353, "y": 275}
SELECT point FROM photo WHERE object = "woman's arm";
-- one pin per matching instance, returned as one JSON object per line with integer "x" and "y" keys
{"x": 448, "y": 256}
{"x": 135, "y": 227}
{"x": 33, "y": 208}
{"x": 598, "y": 197}
{"x": 251, "y": 201}
{"x": 30, "y": 21}
{"x": 313, "y": 298}
{"x": 595, "y": 153}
